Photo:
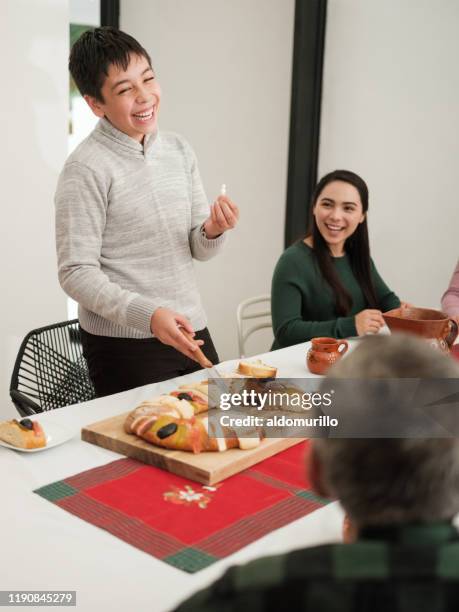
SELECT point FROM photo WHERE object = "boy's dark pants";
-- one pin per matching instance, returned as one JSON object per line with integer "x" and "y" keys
{"x": 118, "y": 364}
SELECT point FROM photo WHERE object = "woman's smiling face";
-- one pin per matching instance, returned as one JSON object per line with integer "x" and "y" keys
{"x": 131, "y": 98}
{"x": 338, "y": 212}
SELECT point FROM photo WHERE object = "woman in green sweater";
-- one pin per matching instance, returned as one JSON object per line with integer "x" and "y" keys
{"x": 327, "y": 284}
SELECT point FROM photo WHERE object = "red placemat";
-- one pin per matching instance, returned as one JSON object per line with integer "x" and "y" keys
{"x": 184, "y": 523}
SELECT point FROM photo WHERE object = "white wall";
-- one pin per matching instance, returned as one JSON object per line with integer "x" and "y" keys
{"x": 84, "y": 12}
{"x": 33, "y": 113}
{"x": 390, "y": 113}
{"x": 225, "y": 70}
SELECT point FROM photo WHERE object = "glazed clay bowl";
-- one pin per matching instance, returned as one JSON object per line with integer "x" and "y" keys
{"x": 434, "y": 325}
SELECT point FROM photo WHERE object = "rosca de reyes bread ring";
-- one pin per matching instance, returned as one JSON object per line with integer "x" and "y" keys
{"x": 155, "y": 424}
{"x": 179, "y": 434}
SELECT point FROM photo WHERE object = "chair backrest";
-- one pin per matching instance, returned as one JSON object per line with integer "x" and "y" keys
{"x": 50, "y": 370}
{"x": 243, "y": 314}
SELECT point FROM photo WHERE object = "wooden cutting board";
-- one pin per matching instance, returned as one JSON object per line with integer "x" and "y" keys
{"x": 206, "y": 468}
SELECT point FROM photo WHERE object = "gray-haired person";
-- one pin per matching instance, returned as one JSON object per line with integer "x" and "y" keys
{"x": 401, "y": 496}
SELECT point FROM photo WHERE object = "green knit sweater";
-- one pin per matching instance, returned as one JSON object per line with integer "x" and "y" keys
{"x": 303, "y": 304}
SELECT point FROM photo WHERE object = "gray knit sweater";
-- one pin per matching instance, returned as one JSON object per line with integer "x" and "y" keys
{"x": 128, "y": 223}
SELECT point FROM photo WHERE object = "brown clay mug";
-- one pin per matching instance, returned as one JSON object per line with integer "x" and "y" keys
{"x": 324, "y": 352}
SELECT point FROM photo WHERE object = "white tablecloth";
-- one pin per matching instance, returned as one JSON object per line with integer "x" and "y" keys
{"x": 43, "y": 547}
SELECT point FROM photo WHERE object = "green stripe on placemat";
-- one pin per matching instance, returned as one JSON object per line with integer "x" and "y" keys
{"x": 313, "y": 497}
{"x": 190, "y": 560}
{"x": 56, "y": 491}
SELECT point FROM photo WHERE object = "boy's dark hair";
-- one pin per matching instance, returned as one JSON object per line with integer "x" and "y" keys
{"x": 94, "y": 52}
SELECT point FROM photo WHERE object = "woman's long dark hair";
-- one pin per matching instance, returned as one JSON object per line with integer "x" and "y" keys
{"x": 357, "y": 246}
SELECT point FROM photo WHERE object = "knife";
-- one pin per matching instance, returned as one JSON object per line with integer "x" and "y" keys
{"x": 212, "y": 373}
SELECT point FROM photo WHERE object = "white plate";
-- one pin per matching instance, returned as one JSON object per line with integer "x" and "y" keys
{"x": 55, "y": 435}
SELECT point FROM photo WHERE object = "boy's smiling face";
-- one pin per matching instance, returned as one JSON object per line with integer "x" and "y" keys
{"x": 131, "y": 98}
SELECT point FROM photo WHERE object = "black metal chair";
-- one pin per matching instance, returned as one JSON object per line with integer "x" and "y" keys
{"x": 50, "y": 370}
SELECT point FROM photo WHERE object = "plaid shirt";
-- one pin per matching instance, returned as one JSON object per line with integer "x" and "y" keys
{"x": 412, "y": 568}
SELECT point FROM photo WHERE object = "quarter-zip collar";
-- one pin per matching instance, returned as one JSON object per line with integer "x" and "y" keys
{"x": 128, "y": 144}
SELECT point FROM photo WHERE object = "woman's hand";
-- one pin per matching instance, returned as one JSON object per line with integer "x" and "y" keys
{"x": 368, "y": 322}
{"x": 165, "y": 325}
{"x": 224, "y": 215}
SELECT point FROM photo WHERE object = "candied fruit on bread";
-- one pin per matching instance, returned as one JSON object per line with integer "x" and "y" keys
{"x": 195, "y": 393}
{"x": 23, "y": 434}
{"x": 163, "y": 405}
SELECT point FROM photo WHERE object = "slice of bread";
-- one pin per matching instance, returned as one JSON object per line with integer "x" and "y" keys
{"x": 256, "y": 369}
{"x": 20, "y": 436}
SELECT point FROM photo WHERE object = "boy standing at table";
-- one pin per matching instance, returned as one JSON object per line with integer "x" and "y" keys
{"x": 131, "y": 214}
